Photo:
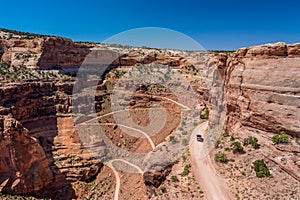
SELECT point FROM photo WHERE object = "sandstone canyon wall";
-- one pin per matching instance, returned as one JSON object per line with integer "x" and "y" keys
{"x": 263, "y": 88}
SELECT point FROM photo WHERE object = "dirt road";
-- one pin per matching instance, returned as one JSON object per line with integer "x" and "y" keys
{"x": 118, "y": 180}
{"x": 214, "y": 187}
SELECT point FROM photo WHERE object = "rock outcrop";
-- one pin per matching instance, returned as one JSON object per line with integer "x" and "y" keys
{"x": 263, "y": 88}
{"x": 24, "y": 167}
{"x": 39, "y": 141}
{"x": 43, "y": 53}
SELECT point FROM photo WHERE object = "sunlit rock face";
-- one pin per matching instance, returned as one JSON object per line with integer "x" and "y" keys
{"x": 263, "y": 88}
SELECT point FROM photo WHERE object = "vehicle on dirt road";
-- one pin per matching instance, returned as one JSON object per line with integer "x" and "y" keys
{"x": 199, "y": 138}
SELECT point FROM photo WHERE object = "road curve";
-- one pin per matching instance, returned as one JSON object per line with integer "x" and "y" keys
{"x": 118, "y": 180}
{"x": 138, "y": 130}
{"x": 214, "y": 186}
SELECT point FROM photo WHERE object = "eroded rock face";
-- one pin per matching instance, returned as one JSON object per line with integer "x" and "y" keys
{"x": 263, "y": 87}
{"x": 63, "y": 53}
{"x": 43, "y": 53}
{"x": 155, "y": 176}
{"x": 21, "y": 52}
{"x": 33, "y": 172}
{"x": 44, "y": 158}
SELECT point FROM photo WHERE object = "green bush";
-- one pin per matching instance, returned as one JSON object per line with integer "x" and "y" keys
{"x": 253, "y": 141}
{"x": 186, "y": 170}
{"x": 163, "y": 189}
{"x": 174, "y": 179}
{"x": 232, "y": 138}
{"x": 184, "y": 132}
{"x": 206, "y": 115}
{"x": 225, "y": 133}
{"x": 218, "y": 142}
{"x": 280, "y": 138}
{"x": 237, "y": 147}
{"x": 261, "y": 169}
{"x": 172, "y": 139}
{"x": 221, "y": 157}
{"x": 185, "y": 142}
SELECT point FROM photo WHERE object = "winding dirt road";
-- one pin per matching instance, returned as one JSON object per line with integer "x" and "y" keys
{"x": 214, "y": 186}
{"x": 118, "y": 180}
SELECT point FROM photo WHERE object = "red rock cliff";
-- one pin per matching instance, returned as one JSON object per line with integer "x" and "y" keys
{"x": 263, "y": 88}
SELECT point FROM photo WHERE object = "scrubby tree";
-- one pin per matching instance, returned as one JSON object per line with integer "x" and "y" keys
{"x": 205, "y": 115}
{"x": 237, "y": 147}
{"x": 186, "y": 170}
{"x": 280, "y": 138}
{"x": 221, "y": 157}
{"x": 253, "y": 141}
{"x": 261, "y": 169}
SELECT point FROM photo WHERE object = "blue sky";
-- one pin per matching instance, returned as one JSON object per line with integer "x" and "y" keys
{"x": 214, "y": 24}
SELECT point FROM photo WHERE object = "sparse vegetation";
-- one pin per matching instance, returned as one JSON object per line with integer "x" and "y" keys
{"x": 261, "y": 169}
{"x": 174, "y": 179}
{"x": 205, "y": 115}
{"x": 185, "y": 142}
{"x": 119, "y": 74}
{"x": 280, "y": 138}
{"x": 163, "y": 189}
{"x": 232, "y": 138}
{"x": 186, "y": 170}
{"x": 12, "y": 73}
{"x": 172, "y": 139}
{"x": 225, "y": 133}
{"x": 184, "y": 132}
{"x": 251, "y": 140}
{"x": 218, "y": 142}
{"x": 237, "y": 147}
{"x": 221, "y": 157}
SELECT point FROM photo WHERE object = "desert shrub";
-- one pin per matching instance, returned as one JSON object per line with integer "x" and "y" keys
{"x": 227, "y": 149}
{"x": 184, "y": 132}
{"x": 184, "y": 142}
{"x": 221, "y": 157}
{"x": 225, "y": 133}
{"x": 119, "y": 73}
{"x": 205, "y": 115}
{"x": 251, "y": 140}
{"x": 174, "y": 179}
{"x": 186, "y": 170}
{"x": 163, "y": 189}
{"x": 280, "y": 138}
{"x": 218, "y": 142}
{"x": 232, "y": 138}
{"x": 237, "y": 147}
{"x": 261, "y": 169}
{"x": 172, "y": 139}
